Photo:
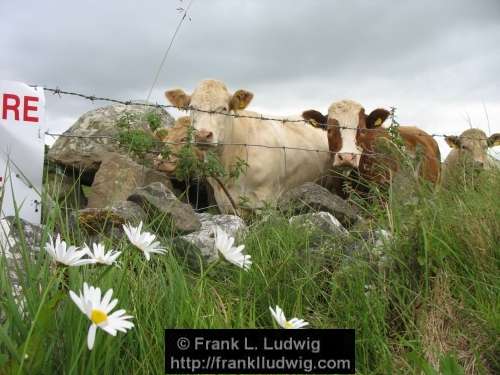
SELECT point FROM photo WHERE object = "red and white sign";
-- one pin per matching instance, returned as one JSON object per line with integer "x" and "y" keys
{"x": 22, "y": 128}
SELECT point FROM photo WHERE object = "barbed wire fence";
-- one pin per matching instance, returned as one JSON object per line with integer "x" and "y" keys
{"x": 393, "y": 130}
{"x": 93, "y": 98}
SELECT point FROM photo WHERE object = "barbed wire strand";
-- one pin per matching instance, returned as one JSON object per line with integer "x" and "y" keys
{"x": 59, "y": 92}
{"x": 203, "y": 144}
{"x": 246, "y": 145}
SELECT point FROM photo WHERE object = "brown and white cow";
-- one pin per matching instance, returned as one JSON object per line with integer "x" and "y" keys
{"x": 273, "y": 164}
{"x": 175, "y": 138}
{"x": 353, "y": 135}
{"x": 469, "y": 152}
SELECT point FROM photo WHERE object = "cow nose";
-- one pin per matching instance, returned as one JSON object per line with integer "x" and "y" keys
{"x": 204, "y": 136}
{"x": 348, "y": 157}
{"x": 478, "y": 164}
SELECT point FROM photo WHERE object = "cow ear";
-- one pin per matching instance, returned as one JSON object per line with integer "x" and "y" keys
{"x": 178, "y": 98}
{"x": 315, "y": 118}
{"x": 494, "y": 140}
{"x": 376, "y": 118}
{"x": 240, "y": 100}
{"x": 453, "y": 141}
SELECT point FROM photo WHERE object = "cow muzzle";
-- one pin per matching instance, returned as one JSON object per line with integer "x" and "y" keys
{"x": 204, "y": 137}
{"x": 168, "y": 166}
{"x": 347, "y": 160}
{"x": 478, "y": 165}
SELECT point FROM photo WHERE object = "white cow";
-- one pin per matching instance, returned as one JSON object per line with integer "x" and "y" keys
{"x": 469, "y": 152}
{"x": 271, "y": 170}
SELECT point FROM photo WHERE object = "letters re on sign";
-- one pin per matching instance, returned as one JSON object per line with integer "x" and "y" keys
{"x": 22, "y": 127}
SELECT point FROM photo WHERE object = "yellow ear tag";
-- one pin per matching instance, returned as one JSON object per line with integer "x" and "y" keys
{"x": 378, "y": 122}
{"x": 313, "y": 122}
{"x": 242, "y": 105}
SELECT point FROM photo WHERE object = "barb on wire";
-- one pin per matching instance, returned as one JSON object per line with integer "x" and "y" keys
{"x": 57, "y": 92}
{"x": 235, "y": 115}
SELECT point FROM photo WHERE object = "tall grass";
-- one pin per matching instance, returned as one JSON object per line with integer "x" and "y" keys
{"x": 427, "y": 304}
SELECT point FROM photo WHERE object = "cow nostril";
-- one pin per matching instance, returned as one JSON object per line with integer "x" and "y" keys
{"x": 204, "y": 136}
{"x": 340, "y": 157}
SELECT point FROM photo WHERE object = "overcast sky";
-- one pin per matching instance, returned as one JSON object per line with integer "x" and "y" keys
{"x": 437, "y": 61}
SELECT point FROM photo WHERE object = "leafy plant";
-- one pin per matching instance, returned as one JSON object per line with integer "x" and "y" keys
{"x": 154, "y": 120}
{"x": 394, "y": 131}
{"x": 125, "y": 121}
{"x": 137, "y": 142}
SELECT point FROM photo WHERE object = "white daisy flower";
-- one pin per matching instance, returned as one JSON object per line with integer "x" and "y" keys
{"x": 143, "y": 241}
{"x": 89, "y": 302}
{"x": 280, "y": 318}
{"x": 224, "y": 244}
{"x": 69, "y": 256}
{"x": 100, "y": 255}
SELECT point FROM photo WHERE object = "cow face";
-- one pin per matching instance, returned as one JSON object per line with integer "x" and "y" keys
{"x": 472, "y": 147}
{"x": 347, "y": 126}
{"x": 175, "y": 138}
{"x": 216, "y": 105}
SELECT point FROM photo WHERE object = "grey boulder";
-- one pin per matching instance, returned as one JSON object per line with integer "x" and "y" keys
{"x": 311, "y": 197}
{"x": 322, "y": 221}
{"x": 118, "y": 177}
{"x": 157, "y": 198}
{"x": 108, "y": 221}
{"x": 94, "y": 134}
{"x": 200, "y": 245}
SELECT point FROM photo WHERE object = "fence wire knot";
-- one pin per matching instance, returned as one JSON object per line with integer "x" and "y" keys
{"x": 57, "y": 91}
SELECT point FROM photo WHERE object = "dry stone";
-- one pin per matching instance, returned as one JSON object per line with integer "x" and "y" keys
{"x": 199, "y": 245}
{"x": 84, "y": 155}
{"x": 108, "y": 221}
{"x": 310, "y": 197}
{"x": 322, "y": 221}
{"x": 161, "y": 199}
{"x": 118, "y": 177}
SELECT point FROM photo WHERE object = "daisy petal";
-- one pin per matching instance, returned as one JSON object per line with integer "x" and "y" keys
{"x": 91, "y": 336}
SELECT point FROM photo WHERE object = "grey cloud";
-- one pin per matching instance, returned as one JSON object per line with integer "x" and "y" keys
{"x": 293, "y": 55}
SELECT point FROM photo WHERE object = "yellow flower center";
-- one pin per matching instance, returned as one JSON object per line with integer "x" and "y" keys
{"x": 98, "y": 316}
{"x": 288, "y": 324}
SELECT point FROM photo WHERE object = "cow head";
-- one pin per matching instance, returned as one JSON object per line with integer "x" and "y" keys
{"x": 347, "y": 126}
{"x": 472, "y": 146}
{"x": 212, "y": 123}
{"x": 175, "y": 138}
